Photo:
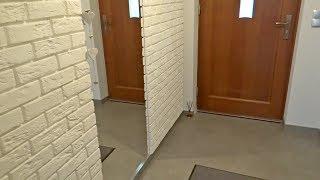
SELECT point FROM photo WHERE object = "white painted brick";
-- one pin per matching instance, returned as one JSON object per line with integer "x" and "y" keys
{"x": 163, "y": 35}
{"x": 10, "y": 120}
{"x": 7, "y": 80}
{"x": 23, "y": 133}
{"x": 72, "y": 57}
{"x": 84, "y": 139}
{"x": 72, "y": 176}
{"x": 52, "y": 45}
{"x": 43, "y": 81}
{"x": 34, "y": 70}
{"x": 66, "y": 25}
{"x": 41, "y": 9}
{"x": 99, "y": 176}
{"x": 92, "y": 146}
{"x": 78, "y": 39}
{"x": 79, "y": 115}
{"x": 38, "y": 106}
{"x": 96, "y": 168}
{"x": 45, "y": 138}
{"x": 86, "y": 176}
{"x": 82, "y": 69}
{"x": 149, "y": 31}
{"x": 50, "y": 168}
{"x": 162, "y": 31}
{"x": 58, "y": 79}
{"x": 77, "y": 86}
{"x": 85, "y": 96}
{"x": 89, "y": 122}
{"x": 61, "y": 111}
{"x": 3, "y": 38}
{"x": 159, "y": 2}
{"x": 33, "y": 164}
{"x": 20, "y": 95}
{"x": 12, "y": 12}
{"x": 5, "y": 178}
{"x": 153, "y": 20}
{"x": 74, "y": 7}
{"x": 163, "y": 52}
{"x": 161, "y": 9}
{"x": 54, "y": 177}
{"x": 71, "y": 165}
{"x": 33, "y": 177}
{"x": 66, "y": 139}
{"x": 15, "y": 55}
{"x": 14, "y": 158}
{"x": 85, "y": 166}
{"x": 33, "y": 30}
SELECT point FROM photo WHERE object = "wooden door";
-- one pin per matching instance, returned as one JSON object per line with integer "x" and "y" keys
{"x": 244, "y": 64}
{"x": 123, "y": 51}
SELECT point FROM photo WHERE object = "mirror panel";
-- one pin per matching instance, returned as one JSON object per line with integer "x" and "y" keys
{"x": 121, "y": 120}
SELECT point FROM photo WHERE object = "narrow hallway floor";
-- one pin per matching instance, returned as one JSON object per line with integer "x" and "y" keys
{"x": 122, "y": 126}
{"x": 249, "y": 147}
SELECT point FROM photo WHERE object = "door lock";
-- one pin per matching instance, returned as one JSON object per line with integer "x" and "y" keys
{"x": 286, "y": 26}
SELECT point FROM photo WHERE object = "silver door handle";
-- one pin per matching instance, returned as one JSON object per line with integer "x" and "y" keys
{"x": 282, "y": 23}
{"x": 287, "y": 26}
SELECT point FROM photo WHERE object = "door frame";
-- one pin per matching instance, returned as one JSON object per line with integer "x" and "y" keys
{"x": 197, "y": 9}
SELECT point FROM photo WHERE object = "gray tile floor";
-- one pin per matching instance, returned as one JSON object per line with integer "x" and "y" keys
{"x": 254, "y": 148}
{"x": 122, "y": 126}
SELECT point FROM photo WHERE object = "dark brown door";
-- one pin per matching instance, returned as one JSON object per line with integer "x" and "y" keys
{"x": 244, "y": 64}
{"x": 123, "y": 51}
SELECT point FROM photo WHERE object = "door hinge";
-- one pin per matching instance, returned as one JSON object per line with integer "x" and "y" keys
{"x": 199, "y": 9}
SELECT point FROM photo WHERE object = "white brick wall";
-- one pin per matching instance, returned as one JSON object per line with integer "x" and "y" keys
{"x": 162, "y": 31}
{"x": 47, "y": 121}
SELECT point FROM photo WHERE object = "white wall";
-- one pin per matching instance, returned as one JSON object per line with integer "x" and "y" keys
{"x": 190, "y": 52}
{"x": 303, "y": 101}
{"x": 162, "y": 31}
{"x": 97, "y": 67}
{"x": 47, "y": 121}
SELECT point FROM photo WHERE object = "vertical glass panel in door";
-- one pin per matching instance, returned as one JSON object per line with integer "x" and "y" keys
{"x": 246, "y": 8}
{"x": 134, "y": 9}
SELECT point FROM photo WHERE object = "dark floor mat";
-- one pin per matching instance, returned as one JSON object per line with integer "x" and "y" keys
{"x": 105, "y": 152}
{"x": 206, "y": 173}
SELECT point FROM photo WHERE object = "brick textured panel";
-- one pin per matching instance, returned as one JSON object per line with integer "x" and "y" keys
{"x": 12, "y": 12}
{"x": 3, "y": 37}
{"x": 47, "y": 121}
{"x": 29, "y": 31}
{"x": 162, "y": 30}
{"x": 39, "y": 9}
{"x": 32, "y": 71}
{"x": 15, "y": 55}
{"x": 53, "y": 45}
{"x": 7, "y": 80}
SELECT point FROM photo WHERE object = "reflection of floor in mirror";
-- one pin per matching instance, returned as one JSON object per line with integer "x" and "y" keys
{"x": 122, "y": 126}
{"x": 105, "y": 152}
{"x": 254, "y": 148}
